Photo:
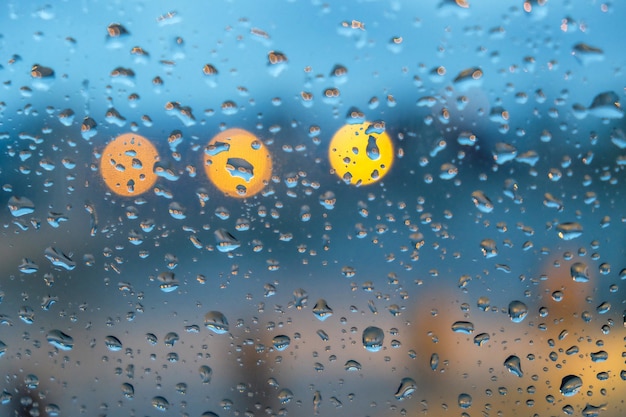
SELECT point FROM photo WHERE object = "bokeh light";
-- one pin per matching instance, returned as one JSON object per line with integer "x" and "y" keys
{"x": 237, "y": 163}
{"x": 361, "y": 153}
{"x": 127, "y": 164}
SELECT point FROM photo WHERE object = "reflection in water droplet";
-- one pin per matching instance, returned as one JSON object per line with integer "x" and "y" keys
{"x": 216, "y": 322}
{"x": 434, "y": 361}
{"x": 373, "y": 338}
{"x": 205, "y": 374}
{"x": 113, "y": 343}
{"x": 466, "y": 327}
{"x": 60, "y": 340}
{"x": 285, "y": 396}
{"x": 465, "y": 400}
{"x": 281, "y": 342}
{"x": 160, "y": 403}
{"x": 517, "y": 311}
{"x": 239, "y": 167}
{"x": 128, "y": 390}
{"x": 482, "y": 202}
{"x": 321, "y": 310}
{"x": 579, "y": 272}
{"x": 372, "y": 150}
{"x": 513, "y": 365}
{"x": 570, "y": 385}
{"x": 226, "y": 242}
{"x": 58, "y": 258}
{"x": 406, "y": 389}
{"x": 569, "y": 230}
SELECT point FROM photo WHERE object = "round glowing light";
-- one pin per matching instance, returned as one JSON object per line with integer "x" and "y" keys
{"x": 127, "y": 165}
{"x": 237, "y": 163}
{"x": 361, "y": 153}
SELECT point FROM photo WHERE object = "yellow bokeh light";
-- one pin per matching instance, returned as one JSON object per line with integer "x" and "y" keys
{"x": 127, "y": 165}
{"x": 362, "y": 153}
{"x": 238, "y": 163}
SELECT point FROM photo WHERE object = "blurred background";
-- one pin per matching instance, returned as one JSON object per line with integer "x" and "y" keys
{"x": 478, "y": 273}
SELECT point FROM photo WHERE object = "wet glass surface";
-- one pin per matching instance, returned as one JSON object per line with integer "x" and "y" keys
{"x": 376, "y": 208}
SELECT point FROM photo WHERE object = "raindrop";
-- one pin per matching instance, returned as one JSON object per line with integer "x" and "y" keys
{"x": 216, "y": 322}
{"x": 406, "y": 389}
{"x": 466, "y": 327}
{"x": 205, "y": 374}
{"x": 167, "y": 281}
{"x": 569, "y": 230}
{"x": 113, "y": 343}
{"x": 513, "y": 365}
{"x": 352, "y": 365}
{"x": 570, "y": 385}
{"x": 464, "y": 400}
{"x": 373, "y": 338}
{"x": 281, "y": 342}
{"x": 160, "y": 403}
{"x": 60, "y": 340}
{"x": 321, "y": 310}
{"x": 517, "y": 311}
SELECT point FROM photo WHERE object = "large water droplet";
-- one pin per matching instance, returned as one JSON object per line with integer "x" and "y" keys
{"x": 281, "y": 342}
{"x": 406, "y": 389}
{"x": 373, "y": 338}
{"x": 216, "y": 322}
{"x": 464, "y": 400}
{"x": 570, "y": 385}
{"x": 514, "y": 366}
{"x": 60, "y": 340}
{"x": 160, "y": 403}
{"x": 517, "y": 311}
{"x": 321, "y": 310}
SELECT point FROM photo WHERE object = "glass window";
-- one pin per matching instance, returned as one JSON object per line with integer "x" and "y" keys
{"x": 364, "y": 208}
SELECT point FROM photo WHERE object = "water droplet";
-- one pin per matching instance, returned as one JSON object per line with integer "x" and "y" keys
{"x": 60, "y": 340}
{"x": 600, "y": 356}
{"x": 113, "y": 343}
{"x": 373, "y": 338}
{"x": 281, "y": 342}
{"x": 167, "y": 281}
{"x": 406, "y": 389}
{"x": 570, "y": 385}
{"x": 128, "y": 390}
{"x": 58, "y": 258}
{"x": 205, "y": 374}
{"x": 504, "y": 152}
{"x": 285, "y": 396}
{"x": 160, "y": 403}
{"x": 20, "y": 206}
{"x": 466, "y": 327}
{"x": 276, "y": 63}
{"x": 216, "y": 322}
{"x": 517, "y": 311}
{"x": 321, "y": 310}
{"x": 586, "y": 54}
{"x": 464, "y": 400}
{"x": 513, "y": 365}
{"x": 225, "y": 241}
{"x": 481, "y": 338}
{"x": 489, "y": 248}
{"x": 606, "y": 106}
{"x": 352, "y": 366}
{"x": 482, "y": 202}
{"x": 434, "y": 361}
{"x": 569, "y": 230}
